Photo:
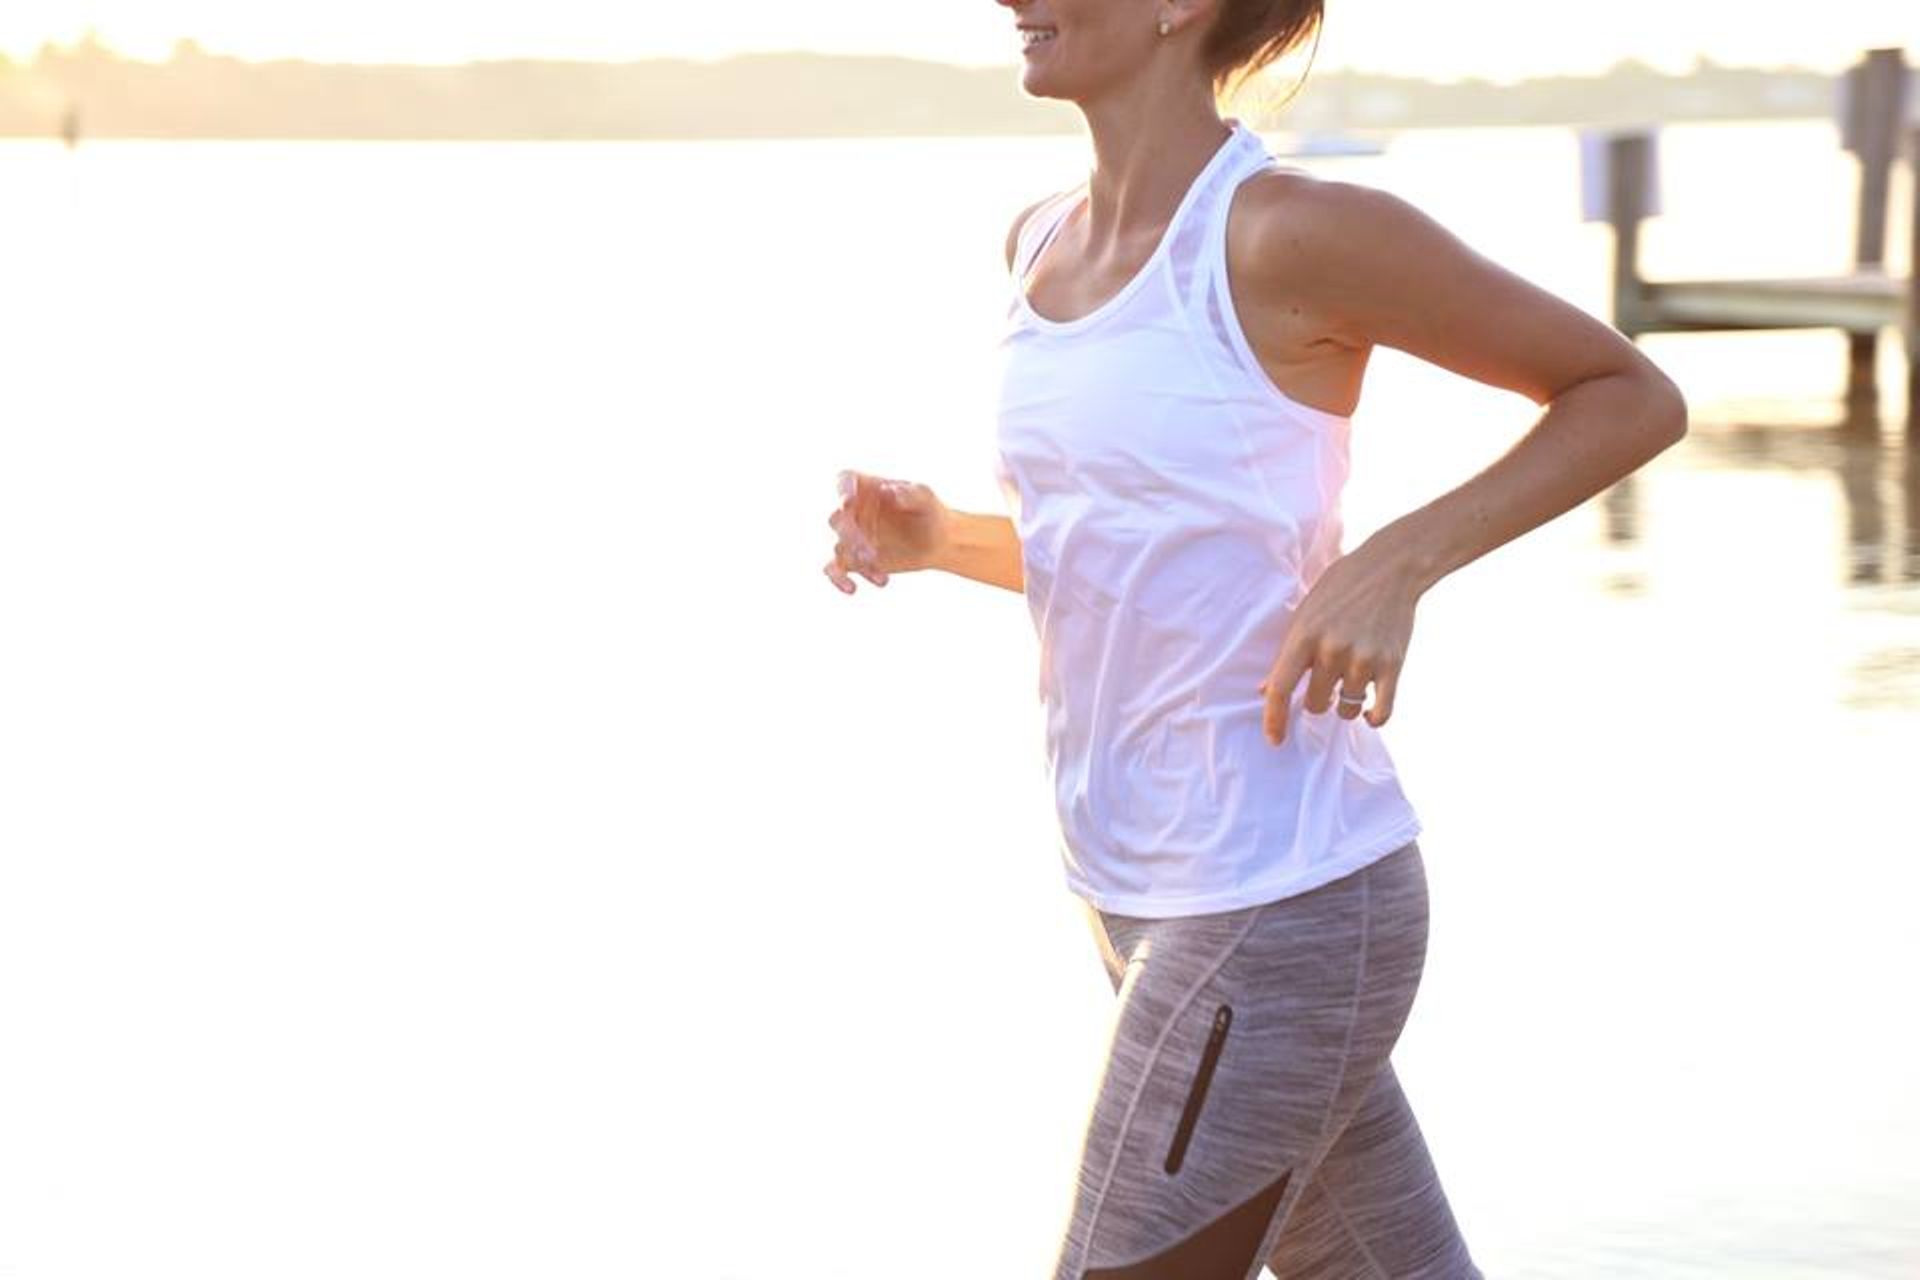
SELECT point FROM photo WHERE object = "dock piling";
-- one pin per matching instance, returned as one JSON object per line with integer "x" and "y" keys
{"x": 1630, "y": 176}
{"x": 1913, "y": 290}
{"x": 1873, "y": 108}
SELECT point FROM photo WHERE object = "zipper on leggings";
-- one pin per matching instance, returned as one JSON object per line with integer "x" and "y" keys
{"x": 1197, "y": 1093}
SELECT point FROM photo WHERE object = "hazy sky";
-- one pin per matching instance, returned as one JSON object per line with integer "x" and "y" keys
{"x": 1500, "y": 39}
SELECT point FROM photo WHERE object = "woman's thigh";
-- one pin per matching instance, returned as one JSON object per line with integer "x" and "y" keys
{"x": 1374, "y": 1208}
{"x": 1242, "y": 1043}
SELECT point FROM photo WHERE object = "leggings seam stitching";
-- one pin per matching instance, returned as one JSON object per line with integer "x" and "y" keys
{"x": 1353, "y": 1235}
{"x": 1353, "y": 1017}
{"x": 1359, "y": 981}
{"x": 1326, "y": 1140}
{"x": 1146, "y": 1072}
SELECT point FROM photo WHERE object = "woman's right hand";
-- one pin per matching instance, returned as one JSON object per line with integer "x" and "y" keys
{"x": 885, "y": 527}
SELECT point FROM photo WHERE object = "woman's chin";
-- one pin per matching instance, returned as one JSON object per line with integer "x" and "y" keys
{"x": 1039, "y": 84}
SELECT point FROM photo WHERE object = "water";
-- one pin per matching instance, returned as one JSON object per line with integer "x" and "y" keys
{"x": 448, "y": 824}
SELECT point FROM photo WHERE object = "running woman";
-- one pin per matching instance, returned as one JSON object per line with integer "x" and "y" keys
{"x": 1185, "y": 338}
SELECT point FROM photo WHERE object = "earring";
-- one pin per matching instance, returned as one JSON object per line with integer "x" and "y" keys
{"x": 1165, "y": 27}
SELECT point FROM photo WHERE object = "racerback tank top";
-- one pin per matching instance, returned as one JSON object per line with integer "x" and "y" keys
{"x": 1173, "y": 507}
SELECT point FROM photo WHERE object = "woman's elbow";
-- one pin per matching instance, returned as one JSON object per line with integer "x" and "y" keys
{"x": 1667, "y": 404}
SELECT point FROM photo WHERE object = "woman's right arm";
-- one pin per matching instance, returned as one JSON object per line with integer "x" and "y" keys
{"x": 898, "y": 526}
{"x": 984, "y": 548}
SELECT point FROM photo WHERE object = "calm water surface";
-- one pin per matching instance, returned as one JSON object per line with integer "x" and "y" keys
{"x": 448, "y": 825}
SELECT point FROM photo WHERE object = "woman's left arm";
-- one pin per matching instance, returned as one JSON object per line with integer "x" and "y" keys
{"x": 1374, "y": 270}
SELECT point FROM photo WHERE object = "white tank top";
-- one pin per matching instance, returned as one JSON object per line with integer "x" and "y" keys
{"x": 1173, "y": 506}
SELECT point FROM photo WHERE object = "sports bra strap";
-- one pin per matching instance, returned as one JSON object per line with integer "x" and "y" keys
{"x": 1037, "y": 232}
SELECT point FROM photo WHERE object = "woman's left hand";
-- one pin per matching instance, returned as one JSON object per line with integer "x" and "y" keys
{"x": 1352, "y": 626}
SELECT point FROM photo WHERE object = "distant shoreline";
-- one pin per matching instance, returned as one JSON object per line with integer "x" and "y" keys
{"x": 199, "y": 95}
{"x": 1279, "y": 129}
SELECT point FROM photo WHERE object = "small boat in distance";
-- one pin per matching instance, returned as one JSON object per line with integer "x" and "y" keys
{"x": 70, "y": 126}
{"x": 1330, "y": 142}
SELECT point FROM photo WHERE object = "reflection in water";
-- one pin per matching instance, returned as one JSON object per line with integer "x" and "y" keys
{"x": 1886, "y": 679}
{"x": 1878, "y": 477}
{"x": 1619, "y": 528}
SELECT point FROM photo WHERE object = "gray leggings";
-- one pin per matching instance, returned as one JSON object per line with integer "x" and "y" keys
{"x": 1247, "y": 1114}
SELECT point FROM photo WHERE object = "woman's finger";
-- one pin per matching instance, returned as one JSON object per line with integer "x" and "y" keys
{"x": 903, "y": 495}
{"x": 873, "y": 573}
{"x": 856, "y": 549}
{"x": 1383, "y": 686}
{"x": 1353, "y": 690}
{"x": 1293, "y": 662}
{"x": 847, "y": 559}
{"x": 1320, "y": 687}
{"x": 852, "y": 536}
{"x": 860, "y": 559}
{"x": 865, "y": 500}
{"x": 847, "y": 485}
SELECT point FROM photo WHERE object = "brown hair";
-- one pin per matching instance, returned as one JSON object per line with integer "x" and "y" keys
{"x": 1248, "y": 35}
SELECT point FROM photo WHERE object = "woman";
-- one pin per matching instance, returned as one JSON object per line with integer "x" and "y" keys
{"x": 1186, "y": 336}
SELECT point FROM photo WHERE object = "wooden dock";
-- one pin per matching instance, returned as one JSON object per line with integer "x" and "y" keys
{"x": 1879, "y": 119}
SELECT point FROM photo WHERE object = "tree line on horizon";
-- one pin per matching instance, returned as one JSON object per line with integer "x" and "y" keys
{"x": 90, "y": 88}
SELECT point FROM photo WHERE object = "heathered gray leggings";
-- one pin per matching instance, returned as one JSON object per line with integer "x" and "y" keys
{"x": 1248, "y": 1115}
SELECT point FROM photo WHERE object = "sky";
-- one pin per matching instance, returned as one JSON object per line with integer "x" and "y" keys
{"x": 1494, "y": 39}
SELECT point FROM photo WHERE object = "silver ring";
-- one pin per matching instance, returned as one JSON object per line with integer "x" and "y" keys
{"x": 1352, "y": 699}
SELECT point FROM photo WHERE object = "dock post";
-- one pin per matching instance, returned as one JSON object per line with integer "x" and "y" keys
{"x": 1875, "y": 92}
{"x": 1628, "y": 182}
{"x": 1913, "y": 294}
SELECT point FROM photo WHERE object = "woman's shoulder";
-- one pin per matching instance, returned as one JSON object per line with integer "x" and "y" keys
{"x": 1303, "y": 239}
{"x": 1278, "y": 201}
